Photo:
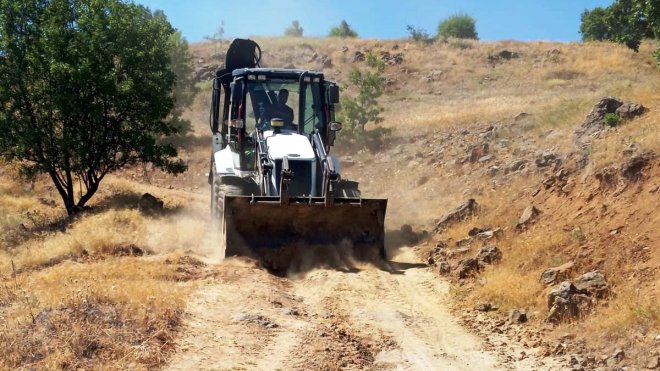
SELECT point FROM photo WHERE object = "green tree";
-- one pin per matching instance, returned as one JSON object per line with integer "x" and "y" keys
{"x": 460, "y": 26}
{"x": 294, "y": 30}
{"x": 625, "y": 21}
{"x": 594, "y": 25}
{"x": 86, "y": 89}
{"x": 357, "y": 111}
{"x": 184, "y": 89}
{"x": 343, "y": 30}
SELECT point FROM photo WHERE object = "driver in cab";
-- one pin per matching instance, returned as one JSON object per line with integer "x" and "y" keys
{"x": 280, "y": 110}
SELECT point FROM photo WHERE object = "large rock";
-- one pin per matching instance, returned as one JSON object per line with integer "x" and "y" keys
{"x": 566, "y": 302}
{"x": 553, "y": 275}
{"x": 466, "y": 209}
{"x": 489, "y": 254}
{"x": 467, "y": 267}
{"x": 595, "y": 120}
{"x": 629, "y": 110}
{"x": 632, "y": 168}
{"x": 527, "y": 216}
{"x": 546, "y": 159}
{"x": 593, "y": 283}
{"x": 150, "y": 203}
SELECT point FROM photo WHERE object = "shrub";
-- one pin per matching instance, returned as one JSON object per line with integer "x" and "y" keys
{"x": 612, "y": 119}
{"x": 419, "y": 35}
{"x": 343, "y": 30}
{"x": 460, "y": 26}
{"x": 363, "y": 108}
{"x": 294, "y": 30}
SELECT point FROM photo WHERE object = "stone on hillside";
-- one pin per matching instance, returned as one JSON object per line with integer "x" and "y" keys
{"x": 546, "y": 159}
{"x": 489, "y": 254}
{"x": 493, "y": 170}
{"x": 593, "y": 283}
{"x": 521, "y": 116}
{"x": 528, "y": 214}
{"x": 478, "y": 151}
{"x": 444, "y": 267}
{"x": 475, "y": 231}
{"x": 326, "y": 62}
{"x": 595, "y": 120}
{"x": 517, "y": 316}
{"x": 632, "y": 168}
{"x": 516, "y": 165}
{"x": 466, "y": 209}
{"x": 150, "y": 203}
{"x": 467, "y": 267}
{"x": 555, "y": 274}
{"x": 566, "y": 302}
{"x": 504, "y": 55}
{"x": 489, "y": 233}
{"x": 629, "y": 110}
{"x": 358, "y": 57}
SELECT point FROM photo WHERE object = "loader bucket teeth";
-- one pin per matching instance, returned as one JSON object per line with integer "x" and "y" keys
{"x": 274, "y": 232}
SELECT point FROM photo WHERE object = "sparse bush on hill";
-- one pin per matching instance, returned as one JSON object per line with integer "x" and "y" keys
{"x": 460, "y": 26}
{"x": 294, "y": 30}
{"x": 419, "y": 35}
{"x": 363, "y": 108}
{"x": 86, "y": 89}
{"x": 216, "y": 38}
{"x": 343, "y": 30}
{"x": 626, "y": 21}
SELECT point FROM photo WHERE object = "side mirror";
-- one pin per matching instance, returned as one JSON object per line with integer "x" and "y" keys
{"x": 236, "y": 92}
{"x": 333, "y": 94}
{"x": 335, "y": 126}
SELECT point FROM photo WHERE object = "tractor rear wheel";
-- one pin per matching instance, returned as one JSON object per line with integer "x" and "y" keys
{"x": 218, "y": 193}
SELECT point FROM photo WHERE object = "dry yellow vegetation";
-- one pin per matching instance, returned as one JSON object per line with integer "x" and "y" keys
{"x": 108, "y": 287}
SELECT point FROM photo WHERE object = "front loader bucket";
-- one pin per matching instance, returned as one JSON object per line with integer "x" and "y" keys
{"x": 270, "y": 229}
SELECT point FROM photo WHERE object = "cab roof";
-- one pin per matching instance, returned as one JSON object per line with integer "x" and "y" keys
{"x": 277, "y": 72}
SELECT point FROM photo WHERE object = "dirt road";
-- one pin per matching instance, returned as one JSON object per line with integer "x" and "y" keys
{"x": 362, "y": 318}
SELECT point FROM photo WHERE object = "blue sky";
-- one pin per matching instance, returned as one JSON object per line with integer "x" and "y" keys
{"x": 556, "y": 20}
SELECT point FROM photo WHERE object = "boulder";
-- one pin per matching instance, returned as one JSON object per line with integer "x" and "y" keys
{"x": 478, "y": 151}
{"x": 629, "y": 110}
{"x": 528, "y": 214}
{"x": 517, "y": 316}
{"x": 467, "y": 267}
{"x": 593, "y": 283}
{"x": 566, "y": 302}
{"x": 489, "y": 254}
{"x": 504, "y": 55}
{"x": 546, "y": 159}
{"x": 553, "y": 275}
{"x": 444, "y": 267}
{"x": 516, "y": 165}
{"x": 464, "y": 210}
{"x": 632, "y": 168}
{"x": 150, "y": 203}
{"x": 358, "y": 57}
{"x": 595, "y": 120}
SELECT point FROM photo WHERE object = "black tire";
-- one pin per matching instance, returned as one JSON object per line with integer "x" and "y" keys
{"x": 218, "y": 193}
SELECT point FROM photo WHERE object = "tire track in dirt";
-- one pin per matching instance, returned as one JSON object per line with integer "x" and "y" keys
{"x": 365, "y": 318}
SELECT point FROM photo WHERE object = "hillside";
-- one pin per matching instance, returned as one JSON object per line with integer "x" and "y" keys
{"x": 492, "y": 122}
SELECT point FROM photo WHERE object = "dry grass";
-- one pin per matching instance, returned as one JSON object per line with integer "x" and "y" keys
{"x": 88, "y": 291}
{"x": 121, "y": 313}
{"x": 68, "y": 299}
